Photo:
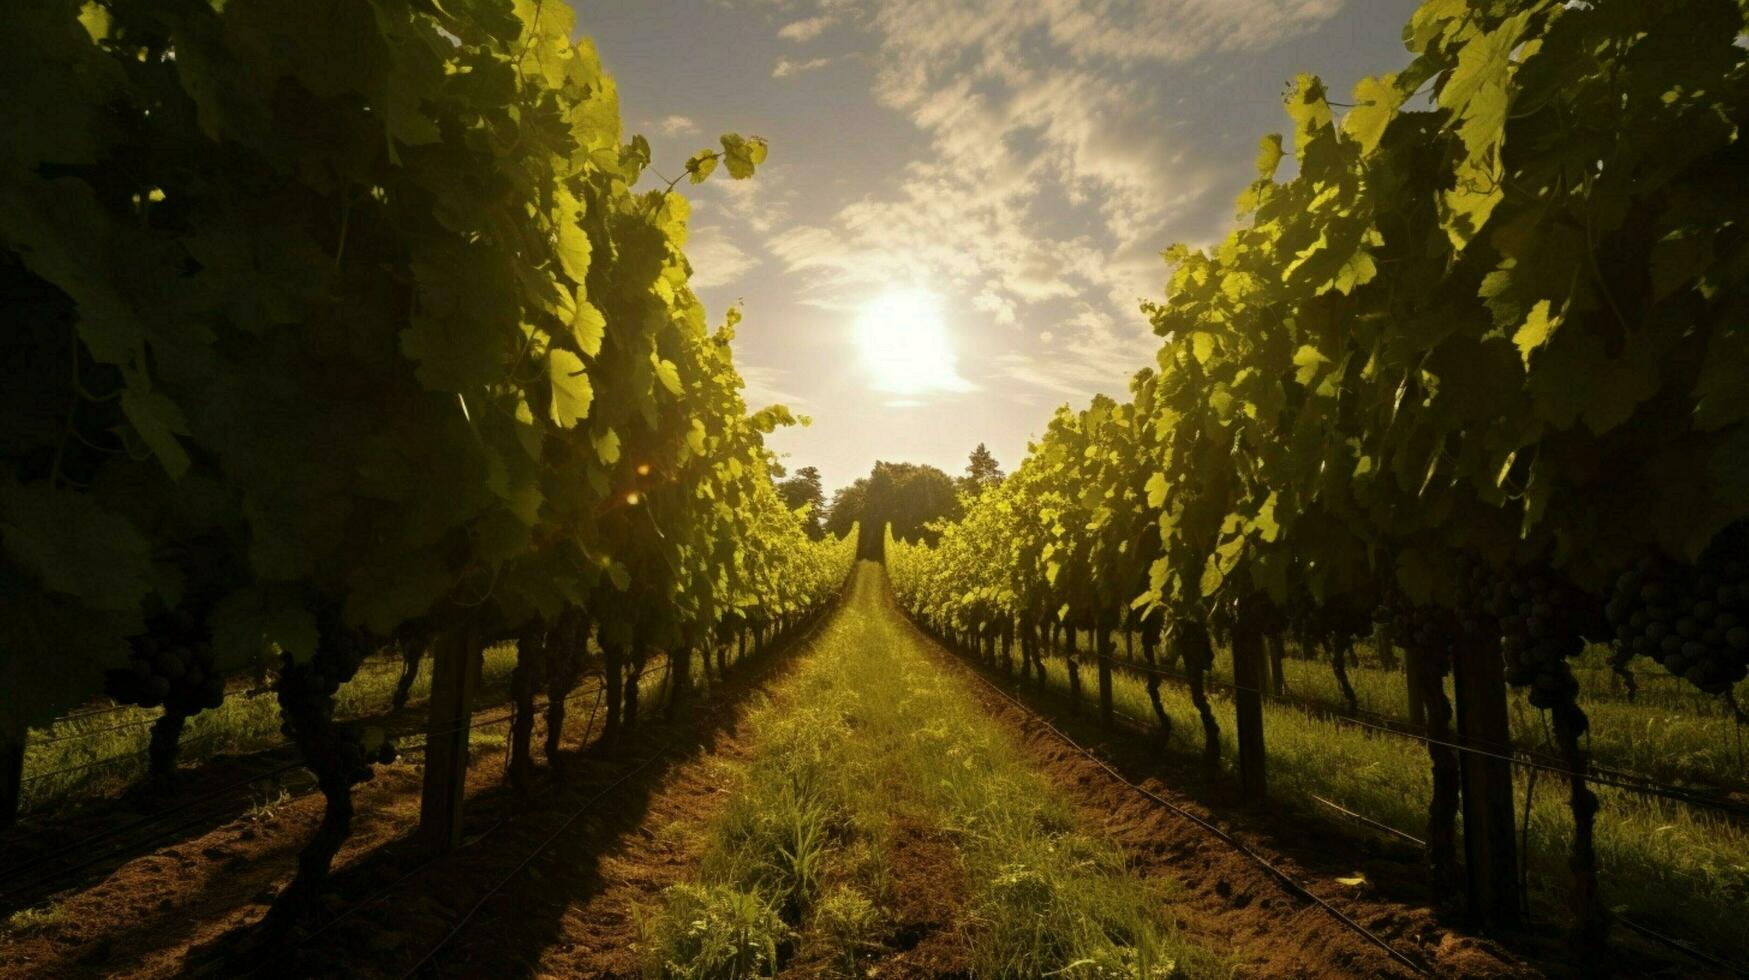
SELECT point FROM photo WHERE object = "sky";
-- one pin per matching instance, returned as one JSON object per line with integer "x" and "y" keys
{"x": 965, "y": 201}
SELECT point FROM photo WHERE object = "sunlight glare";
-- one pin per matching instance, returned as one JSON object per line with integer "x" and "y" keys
{"x": 905, "y": 344}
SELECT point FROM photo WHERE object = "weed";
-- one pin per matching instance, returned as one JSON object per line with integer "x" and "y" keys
{"x": 869, "y": 748}
{"x": 713, "y": 932}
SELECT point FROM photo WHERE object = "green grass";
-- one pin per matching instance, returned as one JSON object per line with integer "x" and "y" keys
{"x": 241, "y": 724}
{"x": 864, "y": 755}
{"x": 1669, "y": 731}
{"x": 1667, "y": 864}
{"x": 59, "y": 761}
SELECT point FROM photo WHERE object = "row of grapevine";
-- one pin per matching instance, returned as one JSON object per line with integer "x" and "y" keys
{"x": 1480, "y": 364}
{"x": 333, "y": 326}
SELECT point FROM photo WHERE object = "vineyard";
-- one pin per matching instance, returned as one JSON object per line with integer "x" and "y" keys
{"x": 1467, "y": 386}
{"x": 395, "y": 580}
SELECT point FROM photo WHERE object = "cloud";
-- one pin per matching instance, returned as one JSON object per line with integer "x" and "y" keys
{"x": 1100, "y": 353}
{"x": 802, "y": 31}
{"x": 716, "y": 260}
{"x": 765, "y": 386}
{"x": 785, "y": 67}
{"x": 1000, "y": 308}
{"x": 1067, "y": 141}
{"x": 676, "y": 126}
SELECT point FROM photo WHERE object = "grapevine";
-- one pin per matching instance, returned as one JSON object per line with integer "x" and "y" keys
{"x": 1478, "y": 354}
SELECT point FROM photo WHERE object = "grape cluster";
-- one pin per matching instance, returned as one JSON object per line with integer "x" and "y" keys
{"x": 360, "y": 748}
{"x": 306, "y": 698}
{"x": 1477, "y": 583}
{"x": 1190, "y": 641}
{"x": 171, "y": 666}
{"x": 1543, "y": 619}
{"x": 1692, "y": 619}
{"x": 1333, "y": 623}
{"x": 1431, "y": 631}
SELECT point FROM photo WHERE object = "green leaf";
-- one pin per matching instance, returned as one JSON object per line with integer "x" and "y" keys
{"x": 607, "y": 447}
{"x": 1721, "y": 396}
{"x": 588, "y": 326}
{"x": 454, "y": 353}
{"x": 1467, "y": 207}
{"x": 573, "y": 250}
{"x": 1269, "y": 154}
{"x": 1308, "y": 363}
{"x": 1156, "y": 490}
{"x": 1729, "y": 470}
{"x": 1416, "y": 575}
{"x": 668, "y": 374}
{"x": 95, "y": 19}
{"x": 1376, "y": 100}
{"x": 1202, "y": 346}
{"x": 622, "y": 579}
{"x": 38, "y": 630}
{"x": 741, "y": 155}
{"x": 1357, "y": 271}
{"x": 701, "y": 165}
{"x": 158, "y": 421}
{"x": 250, "y": 622}
{"x": 1536, "y": 330}
{"x": 571, "y": 390}
{"x": 75, "y": 547}
{"x": 1677, "y": 261}
{"x": 1265, "y": 523}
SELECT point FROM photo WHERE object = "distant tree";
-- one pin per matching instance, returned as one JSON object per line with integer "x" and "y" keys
{"x": 805, "y": 488}
{"x": 982, "y": 471}
{"x": 846, "y": 508}
{"x": 907, "y": 496}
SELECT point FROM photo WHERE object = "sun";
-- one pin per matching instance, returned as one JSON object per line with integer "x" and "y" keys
{"x": 906, "y": 346}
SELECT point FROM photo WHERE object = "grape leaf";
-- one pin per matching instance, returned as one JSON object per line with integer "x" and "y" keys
{"x": 572, "y": 392}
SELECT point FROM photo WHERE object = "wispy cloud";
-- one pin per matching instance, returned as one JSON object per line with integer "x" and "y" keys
{"x": 766, "y": 386}
{"x": 805, "y": 30}
{"x": 716, "y": 260}
{"x": 1053, "y": 174}
{"x": 676, "y": 126}
{"x": 785, "y": 67}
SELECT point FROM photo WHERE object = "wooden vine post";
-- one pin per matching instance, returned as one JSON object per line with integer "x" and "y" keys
{"x": 1412, "y": 686}
{"x": 454, "y": 674}
{"x": 1485, "y": 772}
{"x": 11, "y": 781}
{"x": 1102, "y": 644}
{"x": 1248, "y": 679}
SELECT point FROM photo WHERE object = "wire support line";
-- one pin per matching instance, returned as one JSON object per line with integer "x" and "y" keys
{"x": 79, "y": 845}
{"x": 537, "y": 852}
{"x": 588, "y": 804}
{"x": 1287, "y": 881}
{"x": 1649, "y": 932}
{"x": 211, "y": 797}
{"x": 384, "y": 891}
{"x": 1599, "y": 775}
{"x": 1667, "y": 940}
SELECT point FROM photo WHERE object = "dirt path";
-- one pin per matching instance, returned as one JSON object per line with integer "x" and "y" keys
{"x": 1224, "y": 901}
{"x": 562, "y": 885}
{"x": 1230, "y": 901}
